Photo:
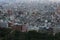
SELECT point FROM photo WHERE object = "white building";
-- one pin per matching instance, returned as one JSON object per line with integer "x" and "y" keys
{"x": 3, "y": 24}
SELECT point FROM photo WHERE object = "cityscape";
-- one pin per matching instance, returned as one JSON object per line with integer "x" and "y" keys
{"x": 29, "y": 20}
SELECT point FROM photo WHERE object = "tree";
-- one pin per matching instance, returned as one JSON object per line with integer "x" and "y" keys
{"x": 57, "y": 36}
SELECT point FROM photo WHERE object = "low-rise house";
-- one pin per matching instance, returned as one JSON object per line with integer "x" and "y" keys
{"x": 33, "y": 28}
{"x": 19, "y": 27}
{"x": 3, "y": 24}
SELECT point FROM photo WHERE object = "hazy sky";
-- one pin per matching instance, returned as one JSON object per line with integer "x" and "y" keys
{"x": 28, "y": 0}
